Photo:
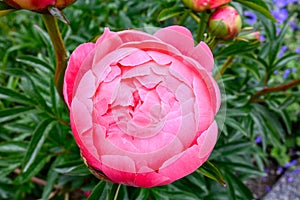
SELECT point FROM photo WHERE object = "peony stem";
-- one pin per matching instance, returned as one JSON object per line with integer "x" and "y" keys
{"x": 60, "y": 51}
{"x": 114, "y": 192}
{"x": 277, "y": 88}
{"x": 227, "y": 63}
{"x": 202, "y": 25}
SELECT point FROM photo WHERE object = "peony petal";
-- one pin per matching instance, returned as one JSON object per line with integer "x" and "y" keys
{"x": 179, "y": 39}
{"x": 75, "y": 62}
{"x": 203, "y": 55}
{"x": 135, "y": 59}
{"x": 191, "y": 159}
{"x": 207, "y": 140}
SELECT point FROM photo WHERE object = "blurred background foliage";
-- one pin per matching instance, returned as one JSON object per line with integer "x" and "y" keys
{"x": 38, "y": 155}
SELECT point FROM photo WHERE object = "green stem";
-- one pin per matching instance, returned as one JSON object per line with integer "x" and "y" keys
{"x": 60, "y": 51}
{"x": 202, "y": 25}
{"x": 227, "y": 63}
{"x": 277, "y": 88}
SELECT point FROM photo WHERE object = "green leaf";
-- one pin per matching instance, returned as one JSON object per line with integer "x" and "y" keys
{"x": 236, "y": 47}
{"x": 259, "y": 6}
{"x": 13, "y": 96}
{"x": 237, "y": 188}
{"x": 98, "y": 191}
{"x": 38, "y": 137}
{"x": 284, "y": 60}
{"x": 38, "y": 164}
{"x": 13, "y": 147}
{"x": 168, "y": 13}
{"x": 242, "y": 168}
{"x": 12, "y": 113}
{"x": 211, "y": 171}
{"x": 143, "y": 194}
{"x": 236, "y": 125}
{"x": 51, "y": 178}
{"x": 75, "y": 170}
{"x": 232, "y": 148}
{"x": 35, "y": 62}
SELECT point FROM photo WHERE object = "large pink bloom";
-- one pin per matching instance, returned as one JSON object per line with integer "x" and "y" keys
{"x": 142, "y": 106}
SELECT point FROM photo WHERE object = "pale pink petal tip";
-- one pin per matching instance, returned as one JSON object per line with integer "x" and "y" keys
{"x": 182, "y": 30}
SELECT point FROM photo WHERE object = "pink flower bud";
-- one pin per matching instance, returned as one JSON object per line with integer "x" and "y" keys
{"x": 38, "y": 5}
{"x": 225, "y": 23}
{"x": 201, "y": 5}
{"x": 250, "y": 37}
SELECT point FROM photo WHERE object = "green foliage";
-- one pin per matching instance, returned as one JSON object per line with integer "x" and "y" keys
{"x": 38, "y": 155}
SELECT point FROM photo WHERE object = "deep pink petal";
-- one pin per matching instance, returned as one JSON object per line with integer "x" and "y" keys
{"x": 74, "y": 64}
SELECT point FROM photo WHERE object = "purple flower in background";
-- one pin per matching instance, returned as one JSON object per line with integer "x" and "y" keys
{"x": 286, "y": 73}
{"x": 279, "y": 170}
{"x": 282, "y": 51}
{"x": 258, "y": 139}
{"x": 290, "y": 164}
{"x": 268, "y": 188}
{"x": 298, "y": 50}
{"x": 290, "y": 179}
{"x": 276, "y": 72}
{"x": 294, "y": 26}
{"x": 250, "y": 17}
{"x": 280, "y": 15}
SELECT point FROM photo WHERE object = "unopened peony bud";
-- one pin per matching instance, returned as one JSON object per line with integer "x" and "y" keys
{"x": 38, "y": 5}
{"x": 225, "y": 23}
{"x": 201, "y": 5}
{"x": 250, "y": 37}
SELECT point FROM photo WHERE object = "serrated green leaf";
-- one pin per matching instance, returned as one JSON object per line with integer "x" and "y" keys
{"x": 259, "y": 6}
{"x": 168, "y": 13}
{"x": 211, "y": 171}
{"x": 12, "y": 113}
{"x": 38, "y": 137}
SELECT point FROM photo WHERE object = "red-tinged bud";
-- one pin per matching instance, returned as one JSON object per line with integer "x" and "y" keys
{"x": 38, "y": 5}
{"x": 225, "y": 23}
{"x": 250, "y": 37}
{"x": 201, "y": 5}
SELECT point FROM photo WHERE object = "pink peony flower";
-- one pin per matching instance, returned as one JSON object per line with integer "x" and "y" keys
{"x": 38, "y": 5}
{"x": 142, "y": 106}
{"x": 225, "y": 23}
{"x": 201, "y": 5}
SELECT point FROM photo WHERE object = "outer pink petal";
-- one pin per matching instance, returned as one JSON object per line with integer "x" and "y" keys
{"x": 203, "y": 55}
{"x": 191, "y": 159}
{"x": 76, "y": 59}
{"x": 181, "y": 40}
